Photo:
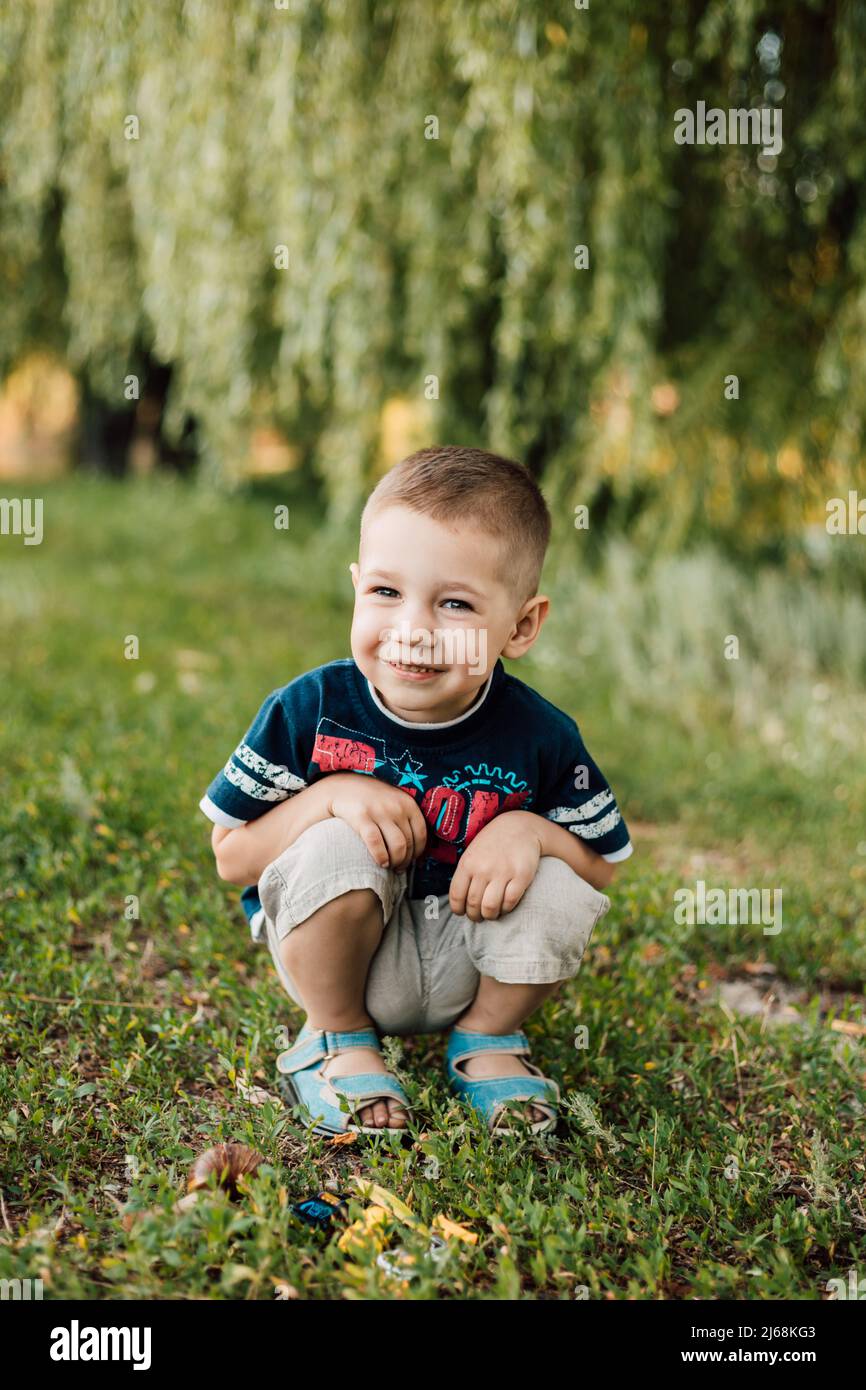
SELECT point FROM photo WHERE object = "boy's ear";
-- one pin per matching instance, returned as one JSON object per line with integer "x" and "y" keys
{"x": 528, "y": 624}
{"x": 355, "y": 573}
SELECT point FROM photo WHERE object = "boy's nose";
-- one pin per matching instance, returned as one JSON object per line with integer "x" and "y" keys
{"x": 418, "y": 630}
{"x": 419, "y": 622}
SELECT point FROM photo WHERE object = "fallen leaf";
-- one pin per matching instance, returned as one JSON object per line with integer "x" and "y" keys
{"x": 366, "y": 1231}
{"x": 382, "y": 1197}
{"x": 849, "y": 1027}
{"x": 759, "y": 967}
{"x": 451, "y": 1231}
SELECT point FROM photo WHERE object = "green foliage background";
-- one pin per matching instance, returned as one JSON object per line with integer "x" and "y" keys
{"x": 304, "y": 126}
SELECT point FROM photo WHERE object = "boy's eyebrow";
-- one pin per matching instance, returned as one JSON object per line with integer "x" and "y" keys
{"x": 447, "y": 584}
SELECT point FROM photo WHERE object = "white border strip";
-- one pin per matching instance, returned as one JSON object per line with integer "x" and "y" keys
{"x": 616, "y": 855}
{"x": 213, "y": 812}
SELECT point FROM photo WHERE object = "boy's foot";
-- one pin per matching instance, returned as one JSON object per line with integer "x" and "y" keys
{"x": 380, "y": 1114}
{"x": 500, "y": 1064}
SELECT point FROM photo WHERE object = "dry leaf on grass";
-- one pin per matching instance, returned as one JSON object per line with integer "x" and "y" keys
{"x": 848, "y": 1027}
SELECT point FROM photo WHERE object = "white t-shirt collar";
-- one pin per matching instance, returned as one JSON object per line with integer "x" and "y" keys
{"x": 445, "y": 724}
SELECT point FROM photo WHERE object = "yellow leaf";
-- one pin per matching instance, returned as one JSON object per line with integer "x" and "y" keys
{"x": 451, "y": 1231}
{"x": 849, "y": 1027}
{"x": 380, "y": 1195}
{"x": 366, "y": 1231}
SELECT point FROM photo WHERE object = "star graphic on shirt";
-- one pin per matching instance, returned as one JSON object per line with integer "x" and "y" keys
{"x": 410, "y": 772}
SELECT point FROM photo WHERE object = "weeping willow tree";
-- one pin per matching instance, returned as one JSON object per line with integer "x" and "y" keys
{"x": 309, "y": 207}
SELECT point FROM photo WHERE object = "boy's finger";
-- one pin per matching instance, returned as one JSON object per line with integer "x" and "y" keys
{"x": 419, "y": 828}
{"x": 408, "y": 828}
{"x": 395, "y": 839}
{"x": 491, "y": 902}
{"x": 457, "y": 892}
{"x": 514, "y": 891}
{"x": 410, "y": 806}
{"x": 372, "y": 837}
{"x": 474, "y": 894}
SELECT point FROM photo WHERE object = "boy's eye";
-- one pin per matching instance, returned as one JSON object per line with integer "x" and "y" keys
{"x": 383, "y": 589}
{"x": 461, "y": 603}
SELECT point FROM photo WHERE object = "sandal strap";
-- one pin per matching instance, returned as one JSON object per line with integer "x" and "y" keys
{"x": 462, "y": 1045}
{"x": 318, "y": 1044}
{"x": 490, "y": 1094}
{"x": 367, "y": 1085}
{"x": 490, "y": 1091}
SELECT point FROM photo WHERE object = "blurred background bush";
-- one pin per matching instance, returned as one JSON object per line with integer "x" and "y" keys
{"x": 310, "y": 235}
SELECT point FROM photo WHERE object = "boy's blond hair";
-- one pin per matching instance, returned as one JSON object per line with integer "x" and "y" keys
{"x": 454, "y": 484}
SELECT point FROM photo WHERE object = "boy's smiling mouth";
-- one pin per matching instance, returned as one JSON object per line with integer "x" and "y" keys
{"x": 414, "y": 671}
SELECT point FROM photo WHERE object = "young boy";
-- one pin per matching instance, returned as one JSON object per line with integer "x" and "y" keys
{"x": 429, "y": 836}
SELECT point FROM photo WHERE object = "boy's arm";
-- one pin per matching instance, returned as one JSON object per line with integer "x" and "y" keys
{"x": 243, "y": 854}
{"x": 385, "y": 817}
{"x": 576, "y": 816}
{"x": 560, "y": 843}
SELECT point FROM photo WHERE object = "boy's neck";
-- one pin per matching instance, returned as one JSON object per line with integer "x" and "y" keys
{"x": 445, "y": 714}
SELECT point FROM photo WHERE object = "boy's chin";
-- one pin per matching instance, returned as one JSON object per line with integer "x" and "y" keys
{"x": 412, "y": 693}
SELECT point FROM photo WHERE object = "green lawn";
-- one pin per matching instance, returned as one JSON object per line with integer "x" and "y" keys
{"x": 702, "y": 1152}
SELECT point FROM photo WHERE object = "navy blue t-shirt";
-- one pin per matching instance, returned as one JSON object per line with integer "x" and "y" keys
{"x": 512, "y": 750}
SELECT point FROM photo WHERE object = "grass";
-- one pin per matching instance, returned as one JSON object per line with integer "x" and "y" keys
{"x": 702, "y": 1153}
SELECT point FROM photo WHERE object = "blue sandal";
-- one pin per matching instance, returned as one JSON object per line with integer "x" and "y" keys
{"x": 490, "y": 1095}
{"x": 306, "y": 1087}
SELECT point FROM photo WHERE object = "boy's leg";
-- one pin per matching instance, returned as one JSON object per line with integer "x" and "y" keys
{"x": 328, "y": 958}
{"x": 524, "y": 956}
{"x": 326, "y": 903}
{"x": 500, "y": 1008}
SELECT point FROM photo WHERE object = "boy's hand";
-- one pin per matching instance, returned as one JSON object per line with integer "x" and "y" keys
{"x": 496, "y": 869}
{"x": 387, "y": 819}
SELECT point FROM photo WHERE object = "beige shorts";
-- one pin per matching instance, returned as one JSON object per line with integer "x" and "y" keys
{"x": 425, "y": 972}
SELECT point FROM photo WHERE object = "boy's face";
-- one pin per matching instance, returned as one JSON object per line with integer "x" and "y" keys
{"x": 432, "y": 614}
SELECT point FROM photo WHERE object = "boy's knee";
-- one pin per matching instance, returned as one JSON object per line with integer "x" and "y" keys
{"x": 558, "y": 890}
{"x": 564, "y": 908}
{"x": 333, "y": 847}
{"x": 326, "y": 837}
{"x": 349, "y": 909}
{"x": 350, "y": 912}
{"x": 327, "y": 853}
{"x": 545, "y": 936}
